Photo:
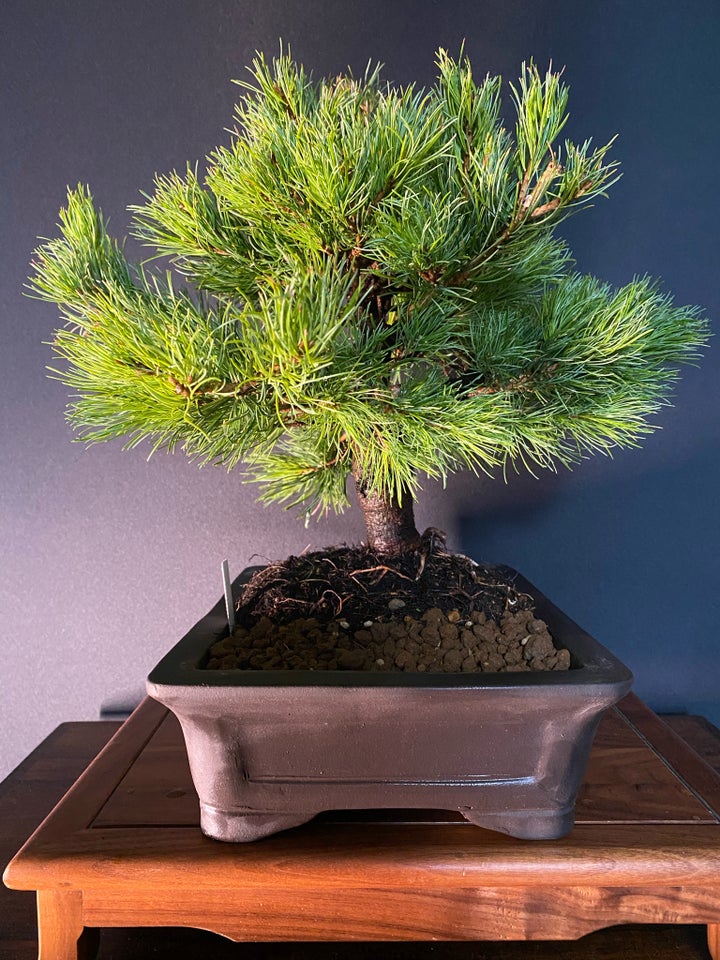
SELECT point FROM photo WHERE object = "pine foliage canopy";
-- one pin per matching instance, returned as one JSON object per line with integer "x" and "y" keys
{"x": 372, "y": 285}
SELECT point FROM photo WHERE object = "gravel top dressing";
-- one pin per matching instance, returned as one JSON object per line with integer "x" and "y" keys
{"x": 349, "y": 609}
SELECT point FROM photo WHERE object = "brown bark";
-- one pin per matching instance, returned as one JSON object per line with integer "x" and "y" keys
{"x": 390, "y": 525}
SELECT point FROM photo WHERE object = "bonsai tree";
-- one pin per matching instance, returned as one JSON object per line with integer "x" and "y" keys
{"x": 374, "y": 290}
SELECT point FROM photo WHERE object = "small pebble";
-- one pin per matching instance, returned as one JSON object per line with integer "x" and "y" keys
{"x": 435, "y": 643}
{"x": 351, "y": 659}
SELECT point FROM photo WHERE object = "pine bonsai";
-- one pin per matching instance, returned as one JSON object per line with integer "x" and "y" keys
{"x": 374, "y": 290}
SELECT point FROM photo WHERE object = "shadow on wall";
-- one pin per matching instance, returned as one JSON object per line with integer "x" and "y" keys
{"x": 635, "y": 562}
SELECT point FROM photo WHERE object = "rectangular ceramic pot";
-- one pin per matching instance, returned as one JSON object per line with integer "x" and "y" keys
{"x": 269, "y": 750}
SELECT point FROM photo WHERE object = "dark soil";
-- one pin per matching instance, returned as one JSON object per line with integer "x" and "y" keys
{"x": 349, "y": 609}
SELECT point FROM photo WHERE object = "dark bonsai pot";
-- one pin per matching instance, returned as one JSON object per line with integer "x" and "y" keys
{"x": 269, "y": 750}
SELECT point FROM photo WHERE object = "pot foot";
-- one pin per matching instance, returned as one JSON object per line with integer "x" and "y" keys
{"x": 235, "y": 827}
{"x": 525, "y": 824}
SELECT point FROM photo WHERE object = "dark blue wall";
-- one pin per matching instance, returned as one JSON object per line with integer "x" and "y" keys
{"x": 110, "y": 93}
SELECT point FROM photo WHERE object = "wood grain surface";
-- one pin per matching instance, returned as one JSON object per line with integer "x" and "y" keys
{"x": 477, "y": 885}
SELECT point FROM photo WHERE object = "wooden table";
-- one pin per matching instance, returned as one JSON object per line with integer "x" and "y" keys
{"x": 123, "y": 850}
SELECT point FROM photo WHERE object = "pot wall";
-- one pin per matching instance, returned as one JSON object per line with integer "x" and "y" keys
{"x": 269, "y": 750}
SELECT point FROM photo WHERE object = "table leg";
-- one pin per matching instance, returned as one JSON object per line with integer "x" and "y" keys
{"x": 61, "y": 935}
{"x": 713, "y": 934}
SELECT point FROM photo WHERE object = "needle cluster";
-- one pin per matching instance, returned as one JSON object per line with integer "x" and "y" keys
{"x": 371, "y": 284}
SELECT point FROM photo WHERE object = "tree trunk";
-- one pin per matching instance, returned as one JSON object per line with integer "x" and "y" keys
{"x": 390, "y": 525}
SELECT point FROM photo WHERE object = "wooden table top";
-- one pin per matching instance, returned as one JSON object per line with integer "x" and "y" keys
{"x": 646, "y": 848}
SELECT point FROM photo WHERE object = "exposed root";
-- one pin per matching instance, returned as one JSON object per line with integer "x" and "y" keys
{"x": 359, "y": 584}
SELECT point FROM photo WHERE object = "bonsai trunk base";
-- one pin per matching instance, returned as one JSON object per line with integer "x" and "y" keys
{"x": 270, "y": 750}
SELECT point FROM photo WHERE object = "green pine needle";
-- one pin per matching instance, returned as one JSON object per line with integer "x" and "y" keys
{"x": 374, "y": 287}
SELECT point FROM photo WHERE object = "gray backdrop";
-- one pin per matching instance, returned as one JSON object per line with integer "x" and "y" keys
{"x": 107, "y": 558}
